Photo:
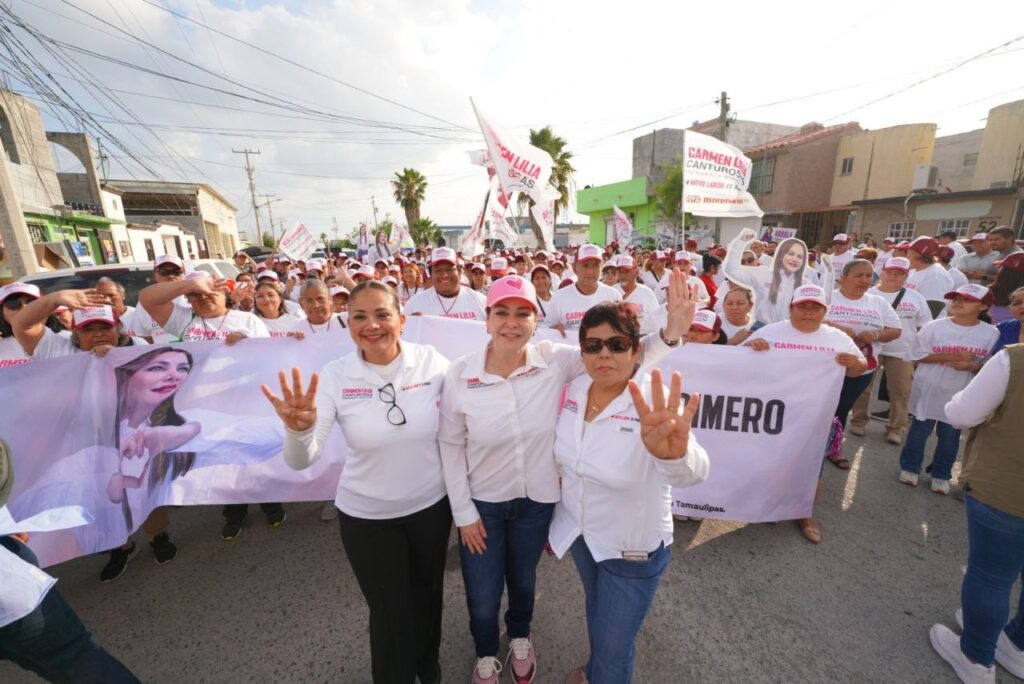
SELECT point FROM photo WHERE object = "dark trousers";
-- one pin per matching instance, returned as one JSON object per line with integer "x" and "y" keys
{"x": 53, "y": 643}
{"x": 399, "y": 564}
{"x": 852, "y": 389}
{"x": 236, "y": 513}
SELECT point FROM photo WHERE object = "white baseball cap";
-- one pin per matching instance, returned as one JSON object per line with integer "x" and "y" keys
{"x": 809, "y": 293}
{"x": 365, "y": 272}
{"x": 389, "y": 280}
{"x": 706, "y": 320}
{"x": 624, "y": 261}
{"x": 444, "y": 254}
{"x": 974, "y": 293}
{"x": 979, "y": 236}
{"x": 268, "y": 275}
{"x": 339, "y": 290}
{"x": 12, "y": 289}
{"x": 499, "y": 266}
{"x": 841, "y": 237}
{"x": 92, "y": 314}
{"x": 169, "y": 259}
{"x": 683, "y": 255}
{"x": 588, "y": 251}
{"x": 897, "y": 264}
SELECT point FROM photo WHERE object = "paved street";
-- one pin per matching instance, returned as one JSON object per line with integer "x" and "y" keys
{"x": 739, "y": 603}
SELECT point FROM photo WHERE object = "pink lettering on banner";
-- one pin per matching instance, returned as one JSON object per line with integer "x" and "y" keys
{"x": 201, "y": 334}
{"x": 356, "y": 393}
{"x": 7, "y": 363}
{"x": 278, "y": 333}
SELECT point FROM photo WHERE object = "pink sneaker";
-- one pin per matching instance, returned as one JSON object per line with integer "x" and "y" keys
{"x": 523, "y": 660}
{"x": 486, "y": 671}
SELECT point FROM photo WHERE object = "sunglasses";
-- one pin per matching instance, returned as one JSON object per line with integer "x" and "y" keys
{"x": 620, "y": 344}
{"x": 168, "y": 272}
{"x": 14, "y": 303}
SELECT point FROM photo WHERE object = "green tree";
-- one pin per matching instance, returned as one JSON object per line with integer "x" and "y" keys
{"x": 268, "y": 240}
{"x": 562, "y": 172}
{"x": 668, "y": 194}
{"x": 424, "y": 231}
{"x": 410, "y": 188}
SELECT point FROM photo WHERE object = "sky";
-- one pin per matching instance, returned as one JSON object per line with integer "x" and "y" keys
{"x": 395, "y": 78}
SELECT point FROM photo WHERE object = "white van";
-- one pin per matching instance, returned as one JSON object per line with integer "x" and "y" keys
{"x": 133, "y": 277}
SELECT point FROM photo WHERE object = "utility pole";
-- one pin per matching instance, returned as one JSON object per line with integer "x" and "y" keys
{"x": 334, "y": 228}
{"x": 723, "y": 135}
{"x": 269, "y": 212}
{"x": 250, "y": 171}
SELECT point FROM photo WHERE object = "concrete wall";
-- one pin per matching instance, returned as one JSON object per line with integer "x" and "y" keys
{"x": 112, "y": 206}
{"x": 883, "y": 162}
{"x": 984, "y": 214}
{"x": 1001, "y": 145}
{"x": 27, "y": 159}
{"x": 78, "y": 187}
{"x": 222, "y": 216}
{"x": 957, "y": 157}
{"x": 803, "y": 177}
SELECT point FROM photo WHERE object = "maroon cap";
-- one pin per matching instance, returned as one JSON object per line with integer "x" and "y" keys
{"x": 925, "y": 246}
{"x": 1014, "y": 262}
{"x": 945, "y": 252}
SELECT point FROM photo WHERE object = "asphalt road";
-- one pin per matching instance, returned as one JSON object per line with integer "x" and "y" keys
{"x": 738, "y": 603}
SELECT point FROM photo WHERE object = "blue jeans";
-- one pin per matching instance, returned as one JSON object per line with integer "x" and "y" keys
{"x": 52, "y": 642}
{"x": 517, "y": 531}
{"x": 995, "y": 559}
{"x": 618, "y": 595}
{"x": 945, "y": 451}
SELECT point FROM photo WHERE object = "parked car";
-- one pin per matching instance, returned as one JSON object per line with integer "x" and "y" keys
{"x": 133, "y": 276}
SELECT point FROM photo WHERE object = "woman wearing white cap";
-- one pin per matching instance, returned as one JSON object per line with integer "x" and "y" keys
{"x": 684, "y": 261}
{"x": 395, "y": 519}
{"x": 540, "y": 278}
{"x": 948, "y": 351}
{"x": 655, "y": 275}
{"x": 637, "y": 294}
{"x": 498, "y": 413}
{"x": 14, "y": 297}
{"x": 207, "y": 318}
{"x": 619, "y": 453}
{"x": 448, "y": 298}
{"x": 913, "y": 313}
{"x": 773, "y": 286}
{"x": 805, "y": 330}
{"x": 570, "y": 303}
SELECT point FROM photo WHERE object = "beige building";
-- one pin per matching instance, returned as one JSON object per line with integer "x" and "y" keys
{"x": 880, "y": 163}
{"x": 1001, "y": 157}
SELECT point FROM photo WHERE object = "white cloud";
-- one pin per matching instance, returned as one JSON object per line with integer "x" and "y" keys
{"x": 589, "y": 69}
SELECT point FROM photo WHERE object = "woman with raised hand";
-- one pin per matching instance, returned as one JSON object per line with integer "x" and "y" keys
{"x": 772, "y": 286}
{"x": 394, "y": 516}
{"x": 498, "y": 413}
{"x": 619, "y": 453}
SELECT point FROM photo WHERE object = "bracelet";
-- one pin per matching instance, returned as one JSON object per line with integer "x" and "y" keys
{"x": 661, "y": 334}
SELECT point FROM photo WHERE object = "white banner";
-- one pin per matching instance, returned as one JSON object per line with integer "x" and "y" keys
{"x": 623, "y": 227}
{"x": 773, "y": 234}
{"x": 521, "y": 167}
{"x": 762, "y": 424}
{"x": 544, "y": 214}
{"x": 298, "y": 243}
{"x": 716, "y": 176}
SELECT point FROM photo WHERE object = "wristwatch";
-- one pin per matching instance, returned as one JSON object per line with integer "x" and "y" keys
{"x": 661, "y": 334}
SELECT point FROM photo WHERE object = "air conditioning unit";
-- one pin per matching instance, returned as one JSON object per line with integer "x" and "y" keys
{"x": 926, "y": 178}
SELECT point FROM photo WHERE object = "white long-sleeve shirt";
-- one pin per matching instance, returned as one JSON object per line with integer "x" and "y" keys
{"x": 614, "y": 492}
{"x": 975, "y": 403}
{"x": 758, "y": 279}
{"x": 390, "y": 470}
{"x": 497, "y": 433}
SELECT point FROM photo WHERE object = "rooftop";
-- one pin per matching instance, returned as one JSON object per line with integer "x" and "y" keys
{"x": 806, "y": 134}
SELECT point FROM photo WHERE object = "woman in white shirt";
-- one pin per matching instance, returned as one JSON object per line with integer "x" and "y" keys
{"x": 412, "y": 282}
{"x": 498, "y": 413}
{"x": 270, "y": 308}
{"x": 949, "y": 351}
{"x": 772, "y": 287}
{"x": 619, "y": 458}
{"x": 805, "y": 331}
{"x": 13, "y": 298}
{"x": 870, "y": 321}
{"x": 737, "y": 321}
{"x": 395, "y": 519}
{"x": 540, "y": 276}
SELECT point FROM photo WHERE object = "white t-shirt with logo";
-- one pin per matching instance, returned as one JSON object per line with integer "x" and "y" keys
{"x": 646, "y": 304}
{"x": 186, "y": 326}
{"x": 658, "y": 285}
{"x": 54, "y": 345}
{"x": 335, "y": 329}
{"x": 143, "y": 325}
{"x": 936, "y": 383}
{"x": 870, "y": 313}
{"x": 569, "y": 304}
{"x": 913, "y": 313}
{"x": 933, "y": 283}
{"x": 782, "y": 335}
{"x": 282, "y": 325}
{"x": 467, "y": 305}
{"x": 11, "y": 353}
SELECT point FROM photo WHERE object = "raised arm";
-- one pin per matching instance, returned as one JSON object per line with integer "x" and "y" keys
{"x": 29, "y": 325}
{"x": 733, "y": 266}
{"x": 308, "y": 417}
{"x": 158, "y": 299}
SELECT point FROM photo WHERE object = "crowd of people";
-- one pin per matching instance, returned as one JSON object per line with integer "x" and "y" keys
{"x": 520, "y": 443}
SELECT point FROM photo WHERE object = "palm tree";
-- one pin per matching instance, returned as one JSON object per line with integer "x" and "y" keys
{"x": 410, "y": 188}
{"x": 424, "y": 231}
{"x": 561, "y": 175}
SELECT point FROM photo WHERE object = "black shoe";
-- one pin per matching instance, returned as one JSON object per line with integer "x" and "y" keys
{"x": 882, "y": 416}
{"x": 118, "y": 563}
{"x": 163, "y": 550}
{"x": 277, "y": 518}
{"x": 231, "y": 530}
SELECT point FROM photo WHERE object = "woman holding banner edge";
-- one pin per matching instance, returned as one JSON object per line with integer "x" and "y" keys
{"x": 498, "y": 409}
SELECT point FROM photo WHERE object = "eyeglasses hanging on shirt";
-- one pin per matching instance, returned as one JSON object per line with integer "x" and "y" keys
{"x": 395, "y": 414}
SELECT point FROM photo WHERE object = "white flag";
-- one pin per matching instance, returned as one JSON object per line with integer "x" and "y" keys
{"x": 623, "y": 227}
{"x": 500, "y": 229}
{"x": 472, "y": 243}
{"x": 544, "y": 215}
{"x": 298, "y": 243}
{"x": 520, "y": 166}
{"x": 715, "y": 178}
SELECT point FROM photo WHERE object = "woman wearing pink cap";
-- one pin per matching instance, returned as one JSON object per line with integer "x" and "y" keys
{"x": 498, "y": 412}
{"x": 13, "y": 298}
{"x": 948, "y": 351}
{"x": 805, "y": 330}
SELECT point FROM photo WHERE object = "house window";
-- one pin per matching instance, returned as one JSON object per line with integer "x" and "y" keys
{"x": 961, "y": 226}
{"x": 762, "y": 176}
{"x": 971, "y": 159}
{"x": 36, "y": 232}
{"x": 847, "y": 167}
{"x": 901, "y": 231}
{"x": 150, "y": 254}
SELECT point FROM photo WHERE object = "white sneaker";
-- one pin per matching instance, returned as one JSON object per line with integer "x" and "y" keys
{"x": 858, "y": 430}
{"x": 947, "y": 645}
{"x": 329, "y": 511}
{"x": 908, "y": 478}
{"x": 1007, "y": 655}
{"x": 486, "y": 670}
{"x": 940, "y": 486}
{"x": 681, "y": 518}
{"x": 894, "y": 438}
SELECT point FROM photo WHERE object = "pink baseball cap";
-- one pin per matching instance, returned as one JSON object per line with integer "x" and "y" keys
{"x": 974, "y": 293}
{"x": 897, "y": 264}
{"x": 365, "y": 272}
{"x": 512, "y": 287}
{"x": 169, "y": 259}
{"x": 809, "y": 293}
{"x": 93, "y": 314}
{"x": 19, "y": 289}
{"x": 706, "y": 320}
{"x": 540, "y": 267}
{"x": 477, "y": 266}
{"x": 588, "y": 252}
{"x": 389, "y": 280}
{"x": 444, "y": 254}
{"x": 624, "y": 261}
{"x": 268, "y": 275}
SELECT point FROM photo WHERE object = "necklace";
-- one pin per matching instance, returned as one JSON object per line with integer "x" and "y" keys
{"x": 328, "y": 329}
{"x": 206, "y": 326}
{"x": 447, "y": 309}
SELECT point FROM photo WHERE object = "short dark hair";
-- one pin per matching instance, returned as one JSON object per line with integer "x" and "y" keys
{"x": 1002, "y": 231}
{"x": 710, "y": 262}
{"x": 949, "y": 234}
{"x": 391, "y": 292}
{"x": 621, "y": 316}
